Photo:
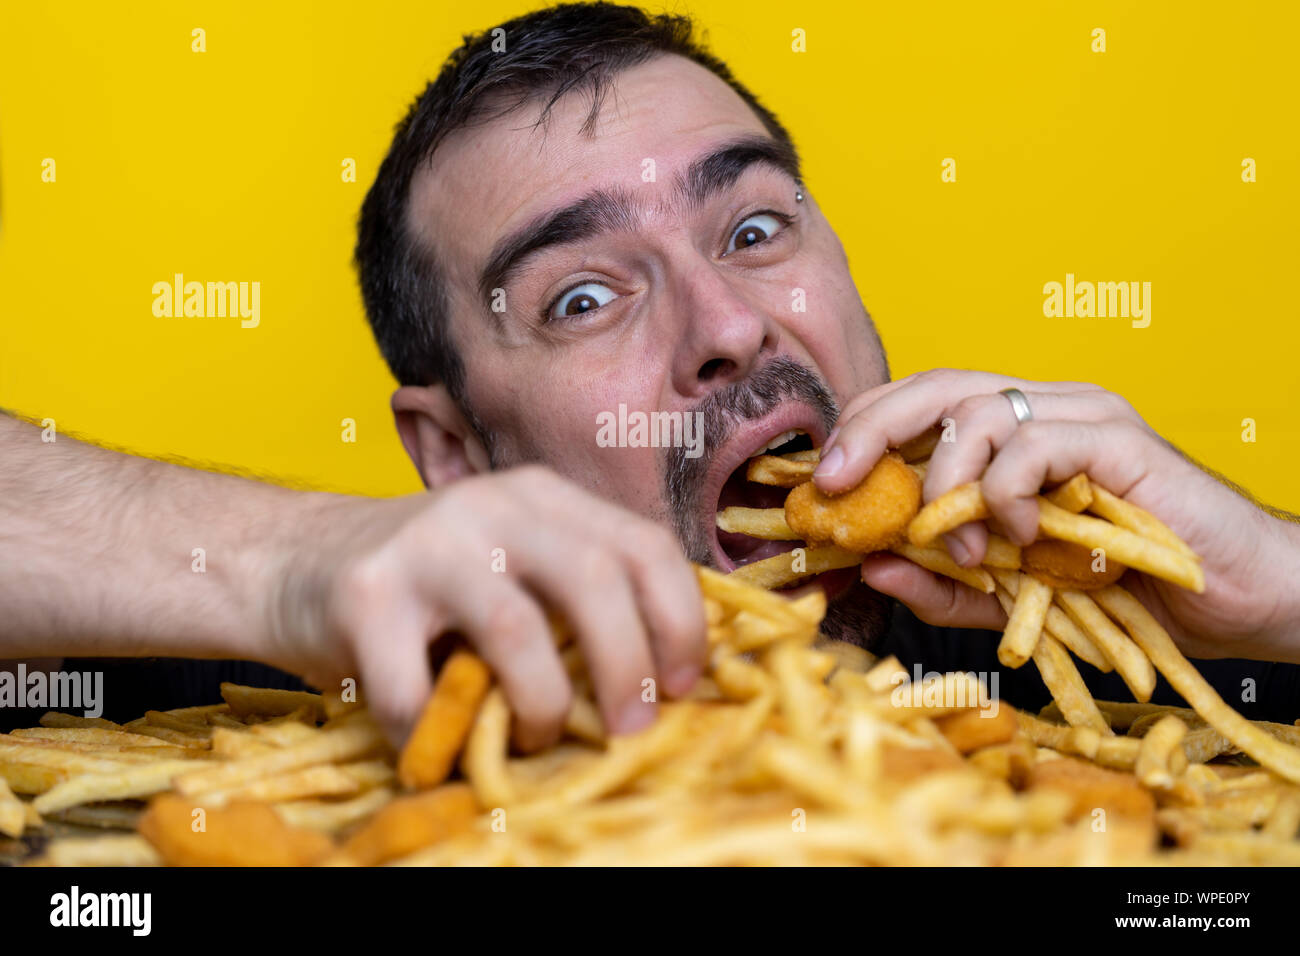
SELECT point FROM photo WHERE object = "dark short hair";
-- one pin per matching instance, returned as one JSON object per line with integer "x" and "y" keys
{"x": 574, "y": 47}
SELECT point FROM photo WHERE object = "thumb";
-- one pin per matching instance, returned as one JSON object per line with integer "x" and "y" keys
{"x": 933, "y": 598}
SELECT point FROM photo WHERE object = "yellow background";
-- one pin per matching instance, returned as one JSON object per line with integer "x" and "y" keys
{"x": 226, "y": 165}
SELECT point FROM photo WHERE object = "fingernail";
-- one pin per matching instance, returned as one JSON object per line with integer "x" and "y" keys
{"x": 830, "y": 465}
{"x": 958, "y": 551}
{"x": 830, "y": 439}
{"x": 637, "y": 715}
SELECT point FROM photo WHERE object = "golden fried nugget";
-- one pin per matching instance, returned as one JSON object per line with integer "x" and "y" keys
{"x": 905, "y": 764}
{"x": 969, "y": 730}
{"x": 443, "y": 728}
{"x": 1094, "y": 787}
{"x": 1064, "y": 564}
{"x": 411, "y": 823}
{"x": 871, "y": 517}
{"x": 242, "y": 834}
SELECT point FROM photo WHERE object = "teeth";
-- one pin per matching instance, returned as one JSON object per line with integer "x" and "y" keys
{"x": 781, "y": 439}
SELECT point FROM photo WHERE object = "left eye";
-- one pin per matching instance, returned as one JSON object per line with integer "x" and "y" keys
{"x": 754, "y": 230}
{"x": 580, "y": 299}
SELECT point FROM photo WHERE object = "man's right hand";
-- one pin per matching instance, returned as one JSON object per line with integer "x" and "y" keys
{"x": 377, "y": 581}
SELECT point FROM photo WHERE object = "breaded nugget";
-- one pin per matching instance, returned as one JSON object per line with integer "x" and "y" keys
{"x": 870, "y": 517}
{"x": 1064, "y": 564}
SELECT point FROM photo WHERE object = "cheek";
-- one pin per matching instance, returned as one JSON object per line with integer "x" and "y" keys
{"x": 835, "y": 331}
{"x": 565, "y": 414}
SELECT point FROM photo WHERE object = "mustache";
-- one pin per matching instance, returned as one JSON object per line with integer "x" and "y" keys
{"x": 721, "y": 413}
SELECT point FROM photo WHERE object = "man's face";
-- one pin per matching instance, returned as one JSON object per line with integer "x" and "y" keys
{"x": 678, "y": 285}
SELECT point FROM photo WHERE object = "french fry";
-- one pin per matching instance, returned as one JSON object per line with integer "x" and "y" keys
{"x": 54, "y": 718}
{"x": 284, "y": 734}
{"x": 779, "y": 472}
{"x": 963, "y": 504}
{"x": 739, "y": 595}
{"x": 1138, "y": 520}
{"x": 971, "y": 730}
{"x": 766, "y": 523}
{"x": 1155, "y": 768}
{"x": 30, "y": 778}
{"x": 584, "y": 721}
{"x": 258, "y": 700}
{"x": 1063, "y": 680}
{"x": 332, "y": 816}
{"x": 324, "y": 780}
{"x": 442, "y": 729}
{"x": 847, "y": 656}
{"x": 782, "y": 569}
{"x": 940, "y": 562}
{"x": 118, "y": 784}
{"x": 808, "y": 454}
{"x": 1121, "y": 715}
{"x": 484, "y": 762}
{"x": 1001, "y": 553}
{"x": 116, "y": 739}
{"x": 108, "y": 816}
{"x": 126, "y": 850}
{"x": 13, "y": 814}
{"x": 343, "y": 743}
{"x": 1132, "y": 665}
{"x": 1074, "y": 495}
{"x": 1057, "y": 624}
{"x": 1025, "y": 622}
{"x": 1282, "y": 759}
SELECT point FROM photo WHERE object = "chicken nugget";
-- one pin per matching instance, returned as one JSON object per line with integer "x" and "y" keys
{"x": 870, "y": 517}
{"x": 1064, "y": 564}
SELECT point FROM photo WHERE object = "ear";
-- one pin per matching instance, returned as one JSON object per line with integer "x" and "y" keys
{"x": 437, "y": 436}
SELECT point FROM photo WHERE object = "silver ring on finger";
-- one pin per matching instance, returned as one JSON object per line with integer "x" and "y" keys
{"x": 1019, "y": 405}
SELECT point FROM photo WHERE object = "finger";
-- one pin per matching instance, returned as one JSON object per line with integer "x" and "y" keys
{"x": 1117, "y": 454}
{"x": 894, "y": 418}
{"x": 926, "y": 378}
{"x": 391, "y": 647}
{"x": 933, "y": 598}
{"x": 590, "y": 585}
{"x": 508, "y": 629}
{"x": 979, "y": 426}
{"x": 668, "y": 595}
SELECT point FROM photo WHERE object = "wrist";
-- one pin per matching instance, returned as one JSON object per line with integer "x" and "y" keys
{"x": 1280, "y": 636}
{"x": 292, "y": 571}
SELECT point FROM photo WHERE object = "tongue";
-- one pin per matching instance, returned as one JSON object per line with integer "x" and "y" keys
{"x": 740, "y": 492}
{"x": 743, "y": 549}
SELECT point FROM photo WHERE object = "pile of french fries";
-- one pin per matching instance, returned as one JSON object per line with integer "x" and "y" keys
{"x": 790, "y": 752}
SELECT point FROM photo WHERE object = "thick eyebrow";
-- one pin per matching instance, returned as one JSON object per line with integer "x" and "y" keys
{"x": 613, "y": 210}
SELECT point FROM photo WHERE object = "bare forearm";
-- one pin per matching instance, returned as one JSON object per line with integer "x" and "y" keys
{"x": 107, "y": 554}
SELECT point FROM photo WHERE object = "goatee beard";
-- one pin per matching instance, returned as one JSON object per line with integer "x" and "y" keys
{"x": 858, "y": 616}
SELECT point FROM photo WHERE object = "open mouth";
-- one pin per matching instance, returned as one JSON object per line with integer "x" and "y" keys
{"x": 782, "y": 434}
{"x": 739, "y": 491}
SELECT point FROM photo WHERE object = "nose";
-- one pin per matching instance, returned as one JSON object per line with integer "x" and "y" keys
{"x": 725, "y": 332}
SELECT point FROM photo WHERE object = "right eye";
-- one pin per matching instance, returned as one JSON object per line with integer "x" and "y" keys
{"x": 579, "y": 300}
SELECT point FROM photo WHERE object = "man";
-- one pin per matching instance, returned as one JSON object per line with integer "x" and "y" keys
{"x": 598, "y": 216}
